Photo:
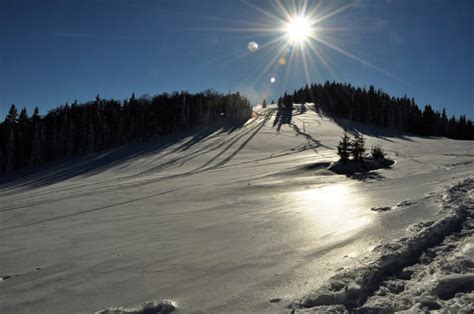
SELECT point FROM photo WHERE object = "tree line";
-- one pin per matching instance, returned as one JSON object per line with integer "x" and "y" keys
{"x": 378, "y": 108}
{"x": 97, "y": 125}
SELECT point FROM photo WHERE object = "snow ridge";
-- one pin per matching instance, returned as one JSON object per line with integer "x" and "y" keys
{"x": 360, "y": 289}
{"x": 155, "y": 307}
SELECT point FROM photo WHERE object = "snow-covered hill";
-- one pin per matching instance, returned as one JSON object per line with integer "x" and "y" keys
{"x": 235, "y": 220}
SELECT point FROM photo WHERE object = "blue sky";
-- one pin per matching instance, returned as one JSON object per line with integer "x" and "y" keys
{"x": 52, "y": 52}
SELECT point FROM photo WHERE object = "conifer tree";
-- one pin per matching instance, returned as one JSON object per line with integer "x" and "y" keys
{"x": 11, "y": 118}
{"x": 90, "y": 137}
{"x": 10, "y": 151}
{"x": 344, "y": 148}
{"x": 358, "y": 147}
{"x": 36, "y": 145}
{"x": 21, "y": 138}
{"x": 2, "y": 161}
{"x": 10, "y": 126}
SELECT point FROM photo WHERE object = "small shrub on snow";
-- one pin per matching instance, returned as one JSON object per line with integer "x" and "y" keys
{"x": 377, "y": 152}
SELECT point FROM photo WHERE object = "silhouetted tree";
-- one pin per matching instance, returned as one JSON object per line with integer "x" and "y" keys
{"x": 358, "y": 147}
{"x": 344, "y": 148}
{"x": 21, "y": 139}
{"x": 10, "y": 126}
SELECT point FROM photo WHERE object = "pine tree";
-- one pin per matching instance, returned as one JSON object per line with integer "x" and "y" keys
{"x": 90, "y": 137}
{"x": 10, "y": 151}
{"x": 36, "y": 145}
{"x": 10, "y": 125}
{"x": 2, "y": 161}
{"x": 52, "y": 139}
{"x": 358, "y": 147}
{"x": 444, "y": 123}
{"x": 279, "y": 111}
{"x": 11, "y": 117}
{"x": 36, "y": 151}
{"x": 21, "y": 138}
{"x": 344, "y": 148}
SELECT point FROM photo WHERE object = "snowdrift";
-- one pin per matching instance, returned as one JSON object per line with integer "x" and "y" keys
{"x": 427, "y": 271}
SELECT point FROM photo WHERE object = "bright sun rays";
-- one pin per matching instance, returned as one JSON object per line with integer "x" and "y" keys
{"x": 291, "y": 33}
{"x": 298, "y": 35}
{"x": 298, "y": 29}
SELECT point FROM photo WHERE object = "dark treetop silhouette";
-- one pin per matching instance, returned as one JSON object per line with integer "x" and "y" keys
{"x": 375, "y": 107}
{"x": 100, "y": 124}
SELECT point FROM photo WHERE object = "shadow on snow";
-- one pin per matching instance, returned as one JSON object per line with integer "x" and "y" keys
{"x": 94, "y": 163}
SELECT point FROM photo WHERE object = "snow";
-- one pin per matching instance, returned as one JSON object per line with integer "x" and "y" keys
{"x": 414, "y": 272}
{"x": 229, "y": 220}
{"x": 163, "y": 307}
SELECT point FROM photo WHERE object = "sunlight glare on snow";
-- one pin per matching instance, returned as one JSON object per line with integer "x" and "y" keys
{"x": 335, "y": 209}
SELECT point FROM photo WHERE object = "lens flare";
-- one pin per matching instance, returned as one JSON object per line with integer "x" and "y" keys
{"x": 293, "y": 35}
{"x": 252, "y": 46}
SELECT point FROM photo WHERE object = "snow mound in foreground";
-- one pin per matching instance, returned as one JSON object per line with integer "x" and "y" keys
{"x": 149, "y": 307}
{"x": 430, "y": 270}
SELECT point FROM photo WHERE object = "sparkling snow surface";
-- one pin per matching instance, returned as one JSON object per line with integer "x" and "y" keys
{"x": 217, "y": 221}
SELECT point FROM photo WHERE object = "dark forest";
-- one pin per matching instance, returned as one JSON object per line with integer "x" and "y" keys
{"x": 69, "y": 130}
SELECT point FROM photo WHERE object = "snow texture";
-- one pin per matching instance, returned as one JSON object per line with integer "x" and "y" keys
{"x": 241, "y": 220}
{"x": 150, "y": 307}
{"x": 431, "y": 270}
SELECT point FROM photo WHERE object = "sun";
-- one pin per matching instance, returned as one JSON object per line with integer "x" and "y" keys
{"x": 298, "y": 29}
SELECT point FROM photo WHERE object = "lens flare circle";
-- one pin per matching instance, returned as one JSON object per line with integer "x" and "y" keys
{"x": 252, "y": 46}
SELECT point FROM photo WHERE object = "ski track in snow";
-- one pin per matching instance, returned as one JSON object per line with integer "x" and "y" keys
{"x": 242, "y": 220}
{"x": 113, "y": 185}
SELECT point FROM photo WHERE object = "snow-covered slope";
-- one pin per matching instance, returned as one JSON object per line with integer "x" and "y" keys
{"x": 220, "y": 220}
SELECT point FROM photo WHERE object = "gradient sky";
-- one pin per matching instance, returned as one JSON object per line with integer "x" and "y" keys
{"x": 52, "y": 52}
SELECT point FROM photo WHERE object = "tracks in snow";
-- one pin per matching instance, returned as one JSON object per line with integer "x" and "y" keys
{"x": 353, "y": 288}
{"x": 224, "y": 151}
